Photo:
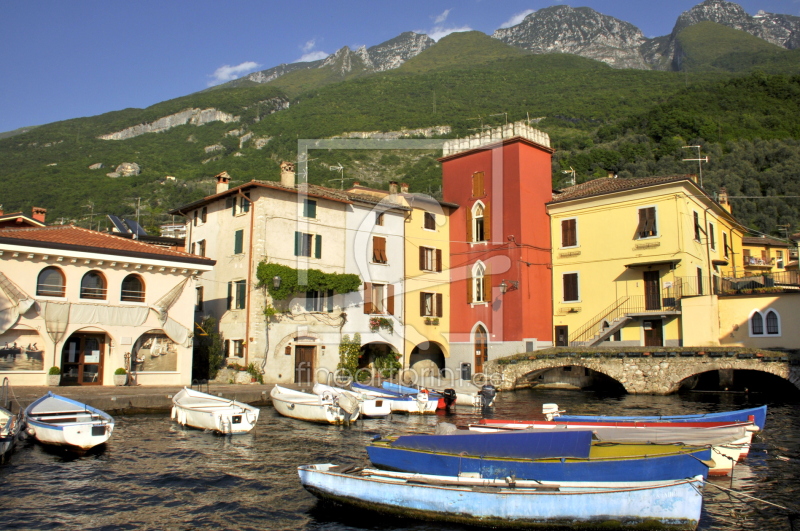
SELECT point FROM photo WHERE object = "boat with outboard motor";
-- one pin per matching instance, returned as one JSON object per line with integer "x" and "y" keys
{"x": 419, "y": 404}
{"x": 61, "y": 421}
{"x": 208, "y": 412}
{"x": 511, "y": 502}
{"x": 342, "y": 409}
{"x": 370, "y": 407}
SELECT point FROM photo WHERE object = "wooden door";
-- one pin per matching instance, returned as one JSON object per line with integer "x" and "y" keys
{"x": 562, "y": 336}
{"x": 653, "y": 335}
{"x": 82, "y": 359}
{"x": 481, "y": 348}
{"x": 652, "y": 290}
{"x": 304, "y": 364}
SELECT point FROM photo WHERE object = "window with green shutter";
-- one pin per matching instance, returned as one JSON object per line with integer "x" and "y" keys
{"x": 241, "y": 294}
{"x": 310, "y": 208}
{"x": 238, "y": 242}
{"x": 303, "y": 244}
{"x": 318, "y": 247}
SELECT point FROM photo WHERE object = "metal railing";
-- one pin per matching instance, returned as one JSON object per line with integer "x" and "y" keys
{"x": 630, "y": 304}
{"x": 766, "y": 283}
{"x": 129, "y": 295}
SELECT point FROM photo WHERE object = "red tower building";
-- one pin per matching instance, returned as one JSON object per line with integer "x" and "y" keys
{"x": 501, "y": 283}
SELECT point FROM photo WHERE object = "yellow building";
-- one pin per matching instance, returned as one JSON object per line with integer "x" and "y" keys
{"x": 762, "y": 255}
{"x": 427, "y": 278}
{"x": 635, "y": 262}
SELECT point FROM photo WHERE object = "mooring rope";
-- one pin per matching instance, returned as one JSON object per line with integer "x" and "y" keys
{"x": 735, "y": 493}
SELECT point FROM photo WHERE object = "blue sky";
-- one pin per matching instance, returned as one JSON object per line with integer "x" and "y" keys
{"x": 67, "y": 59}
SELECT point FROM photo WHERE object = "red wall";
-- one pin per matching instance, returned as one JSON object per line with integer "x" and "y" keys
{"x": 517, "y": 183}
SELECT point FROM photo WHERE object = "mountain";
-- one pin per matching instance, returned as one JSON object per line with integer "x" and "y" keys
{"x": 580, "y": 31}
{"x": 460, "y": 50}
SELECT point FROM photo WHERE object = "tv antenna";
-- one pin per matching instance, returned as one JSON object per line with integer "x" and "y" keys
{"x": 482, "y": 127}
{"x": 90, "y": 205}
{"x": 571, "y": 171}
{"x": 700, "y": 160}
{"x": 340, "y": 169}
{"x": 501, "y": 114}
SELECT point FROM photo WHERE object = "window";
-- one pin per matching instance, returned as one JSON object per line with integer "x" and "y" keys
{"x": 478, "y": 223}
{"x": 479, "y": 286}
{"x": 378, "y": 298}
{"x": 712, "y": 239}
{"x": 379, "y": 219}
{"x": 237, "y": 295}
{"x": 244, "y": 203}
{"x": 725, "y": 244}
{"x": 477, "y": 184}
{"x": 238, "y": 242}
{"x": 746, "y": 257}
{"x": 430, "y": 259}
{"x": 132, "y": 289}
{"x": 309, "y": 208}
{"x": 779, "y": 259}
{"x": 696, "y": 226}
{"x": 569, "y": 232}
{"x": 430, "y": 304}
{"x": 93, "y": 286}
{"x": 379, "y": 250}
{"x": 757, "y": 324}
{"x": 198, "y": 301}
{"x": 204, "y": 214}
{"x": 51, "y": 282}
{"x": 571, "y": 292}
{"x": 648, "y": 226}
{"x": 429, "y": 221}
{"x": 196, "y": 217}
{"x": 773, "y": 327}
{"x": 319, "y": 301}
{"x": 230, "y": 202}
{"x": 238, "y": 348}
{"x": 699, "y": 281}
{"x": 200, "y": 248}
{"x": 304, "y": 244}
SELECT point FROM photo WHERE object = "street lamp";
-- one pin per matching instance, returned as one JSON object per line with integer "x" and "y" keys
{"x": 276, "y": 282}
{"x": 508, "y": 285}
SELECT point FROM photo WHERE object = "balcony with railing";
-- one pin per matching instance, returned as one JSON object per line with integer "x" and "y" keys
{"x": 750, "y": 284}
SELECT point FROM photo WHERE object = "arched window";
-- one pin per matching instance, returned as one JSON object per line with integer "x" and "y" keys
{"x": 478, "y": 283}
{"x": 756, "y": 324}
{"x": 478, "y": 224}
{"x": 773, "y": 323}
{"x": 132, "y": 289}
{"x": 93, "y": 286}
{"x": 51, "y": 282}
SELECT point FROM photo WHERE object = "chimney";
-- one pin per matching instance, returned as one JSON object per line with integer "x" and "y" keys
{"x": 38, "y": 213}
{"x": 392, "y": 187}
{"x": 223, "y": 180}
{"x": 287, "y": 174}
{"x": 356, "y": 183}
{"x": 403, "y": 188}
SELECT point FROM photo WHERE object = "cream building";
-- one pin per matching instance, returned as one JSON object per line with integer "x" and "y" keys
{"x": 90, "y": 303}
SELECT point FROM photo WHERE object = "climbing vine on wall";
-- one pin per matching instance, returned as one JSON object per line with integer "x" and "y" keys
{"x": 316, "y": 280}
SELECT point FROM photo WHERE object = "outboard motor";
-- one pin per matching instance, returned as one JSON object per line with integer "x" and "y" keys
{"x": 551, "y": 411}
{"x": 487, "y": 392}
{"x": 449, "y": 397}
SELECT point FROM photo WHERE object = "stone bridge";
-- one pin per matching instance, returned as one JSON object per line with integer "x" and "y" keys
{"x": 656, "y": 373}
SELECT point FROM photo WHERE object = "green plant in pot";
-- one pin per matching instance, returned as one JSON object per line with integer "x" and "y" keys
{"x": 54, "y": 376}
{"x": 120, "y": 376}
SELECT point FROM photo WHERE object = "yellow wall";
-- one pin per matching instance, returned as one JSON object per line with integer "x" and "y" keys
{"x": 734, "y": 316}
{"x": 700, "y": 321}
{"x": 768, "y": 265}
{"x": 416, "y": 236}
{"x": 607, "y": 242}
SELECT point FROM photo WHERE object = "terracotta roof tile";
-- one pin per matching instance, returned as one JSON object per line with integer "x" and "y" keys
{"x": 68, "y": 236}
{"x": 765, "y": 240}
{"x": 608, "y": 185}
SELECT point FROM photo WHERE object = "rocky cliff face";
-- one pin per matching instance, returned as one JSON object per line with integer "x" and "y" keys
{"x": 385, "y": 56}
{"x": 189, "y": 116}
{"x": 580, "y": 31}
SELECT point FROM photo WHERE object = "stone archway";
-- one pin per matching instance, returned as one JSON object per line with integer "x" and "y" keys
{"x": 427, "y": 359}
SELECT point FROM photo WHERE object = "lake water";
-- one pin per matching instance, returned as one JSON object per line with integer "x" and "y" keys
{"x": 155, "y": 475}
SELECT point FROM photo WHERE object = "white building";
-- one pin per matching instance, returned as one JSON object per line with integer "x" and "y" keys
{"x": 90, "y": 303}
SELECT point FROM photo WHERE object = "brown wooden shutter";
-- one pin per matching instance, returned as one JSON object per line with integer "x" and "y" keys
{"x": 439, "y": 304}
{"x": 390, "y": 300}
{"x": 368, "y": 297}
{"x": 487, "y": 285}
{"x": 469, "y": 290}
{"x": 438, "y": 260}
{"x": 422, "y": 258}
{"x": 477, "y": 184}
{"x": 568, "y": 233}
{"x": 487, "y": 223}
{"x": 421, "y": 304}
{"x": 469, "y": 224}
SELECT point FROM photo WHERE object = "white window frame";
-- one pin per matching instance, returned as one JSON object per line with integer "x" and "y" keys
{"x": 763, "y": 314}
{"x": 475, "y": 223}
{"x": 478, "y": 278}
{"x": 658, "y": 225}
{"x": 577, "y": 234}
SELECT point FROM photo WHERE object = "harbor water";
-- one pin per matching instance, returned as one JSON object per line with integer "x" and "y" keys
{"x": 154, "y": 474}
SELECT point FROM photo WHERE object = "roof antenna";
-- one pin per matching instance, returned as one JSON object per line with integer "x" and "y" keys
{"x": 340, "y": 169}
{"x": 700, "y": 160}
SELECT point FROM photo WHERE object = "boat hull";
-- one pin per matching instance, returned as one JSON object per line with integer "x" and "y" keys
{"x": 401, "y": 403}
{"x": 60, "y": 421}
{"x": 371, "y": 407}
{"x": 643, "y": 468}
{"x": 310, "y": 408}
{"x": 758, "y": 414}
{"x": 208, "y": 412}
{"x": 672, "y": 505}
{"x": 10, "y": 432}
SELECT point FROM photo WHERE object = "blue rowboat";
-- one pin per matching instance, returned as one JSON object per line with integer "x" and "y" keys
{"x": 420, "y": 403}
{"x": 61, "y": 421}
{"x": 403, "y": 390}
{"x": 507, "y": 502}
{"x": 759, "y": 415}
{"x": 605, "y": 462}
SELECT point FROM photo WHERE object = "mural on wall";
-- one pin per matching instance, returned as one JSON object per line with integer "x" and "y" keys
{"x": 154, "y": 352}
{"x": 21, "y": 350}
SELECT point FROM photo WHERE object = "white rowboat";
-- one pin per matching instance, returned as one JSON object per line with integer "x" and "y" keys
{"x": 215, "y": 413}
{"x": 369, "y": 406}
{"x": 314, "y": 408}
{"x": 60, "y": 421}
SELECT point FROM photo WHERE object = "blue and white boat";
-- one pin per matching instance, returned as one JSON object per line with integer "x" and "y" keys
{"x": 508, "y": 502}
{"x": 61, "y": 421}
{"x": 551, "y": 456}
{"x": 420, "y": 403}
{"x": 758, "y": 415}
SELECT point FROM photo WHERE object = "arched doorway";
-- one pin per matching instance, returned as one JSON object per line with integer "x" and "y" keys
{"x": 427, "y": 359}
{"x": 481, "y": 348}
{"x": 82, "y": 359}
{"x": 381, "y": 357}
